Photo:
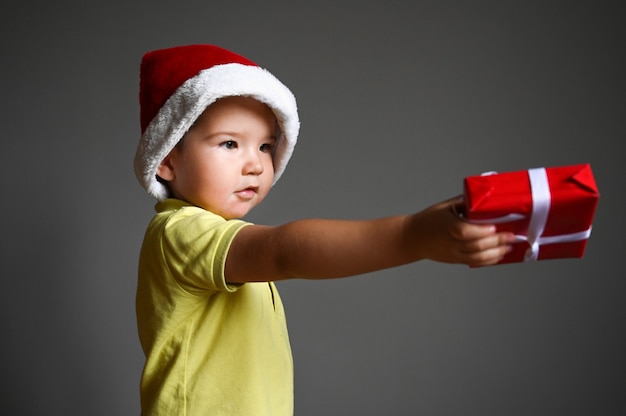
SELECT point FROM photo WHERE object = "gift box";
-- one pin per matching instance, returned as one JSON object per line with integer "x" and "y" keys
{"x": 550, "y": 210}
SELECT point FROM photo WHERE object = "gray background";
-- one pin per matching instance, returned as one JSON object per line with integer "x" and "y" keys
{"x": 399, "y": 101}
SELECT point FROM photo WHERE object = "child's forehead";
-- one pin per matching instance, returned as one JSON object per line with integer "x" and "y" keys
{"x": 237, "y": 108}
{"x": 239, "y": 104}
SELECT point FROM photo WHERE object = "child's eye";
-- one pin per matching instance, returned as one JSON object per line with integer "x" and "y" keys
{"x": 230, "y": 144}
{"x": 267, "y": 147}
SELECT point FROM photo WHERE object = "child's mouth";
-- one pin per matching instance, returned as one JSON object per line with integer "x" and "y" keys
{"x": 248, "y": 192}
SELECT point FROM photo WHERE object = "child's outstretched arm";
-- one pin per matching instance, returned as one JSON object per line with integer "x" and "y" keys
{"x": 322, "y": 249}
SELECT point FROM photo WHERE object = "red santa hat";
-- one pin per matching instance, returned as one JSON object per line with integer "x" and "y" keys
{"x": 178, "y": 84}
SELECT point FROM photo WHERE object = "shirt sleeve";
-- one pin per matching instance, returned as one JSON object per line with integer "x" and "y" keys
{"x": 195, "y": 244}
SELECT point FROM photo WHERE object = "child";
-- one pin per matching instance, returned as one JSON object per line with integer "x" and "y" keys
{"x": 217, "y": 132}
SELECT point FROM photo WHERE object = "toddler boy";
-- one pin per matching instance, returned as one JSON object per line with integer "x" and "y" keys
{"x": 217, "y": 133}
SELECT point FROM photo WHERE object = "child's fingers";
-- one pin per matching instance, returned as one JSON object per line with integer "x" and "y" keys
{"x": 470, "y": 232}
{"x": 496, "y": 243}
{"x": 489, "y": 257}
{"x": 488, "y": 250}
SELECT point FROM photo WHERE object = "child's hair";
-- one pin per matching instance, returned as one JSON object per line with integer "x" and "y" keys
{"x": 177, "y": 84}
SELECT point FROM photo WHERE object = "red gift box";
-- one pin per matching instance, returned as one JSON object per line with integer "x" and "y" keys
{"x": 550, "y": 210}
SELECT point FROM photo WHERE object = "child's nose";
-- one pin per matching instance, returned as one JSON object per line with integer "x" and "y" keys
{"x": 254, "y": 163}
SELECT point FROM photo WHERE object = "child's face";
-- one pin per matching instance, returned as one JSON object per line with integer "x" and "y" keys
{"x": 224, "y": 163}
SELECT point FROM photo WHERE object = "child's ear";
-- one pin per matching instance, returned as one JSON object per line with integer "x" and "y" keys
{"x": 165, "y": 170}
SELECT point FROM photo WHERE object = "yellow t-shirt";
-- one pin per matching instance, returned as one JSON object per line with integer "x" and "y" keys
{"x": 211, "y": 348}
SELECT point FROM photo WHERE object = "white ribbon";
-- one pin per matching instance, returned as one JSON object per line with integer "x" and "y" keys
{"x": 541, "y": 199}
{"x": 531, "y": 254}
{"x": 540, "y": 191}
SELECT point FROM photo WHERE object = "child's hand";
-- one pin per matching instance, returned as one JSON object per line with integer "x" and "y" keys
{"x": 445, "y": 237}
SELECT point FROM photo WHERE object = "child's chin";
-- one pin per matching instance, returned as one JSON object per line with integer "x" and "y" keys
{"x": 234, "y": 214}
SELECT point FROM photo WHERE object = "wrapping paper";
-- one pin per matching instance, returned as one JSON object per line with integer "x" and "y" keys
{"x": 550, "y": 210}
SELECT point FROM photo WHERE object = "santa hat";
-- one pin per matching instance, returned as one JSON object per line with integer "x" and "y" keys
{"x": 178, "y": 84}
